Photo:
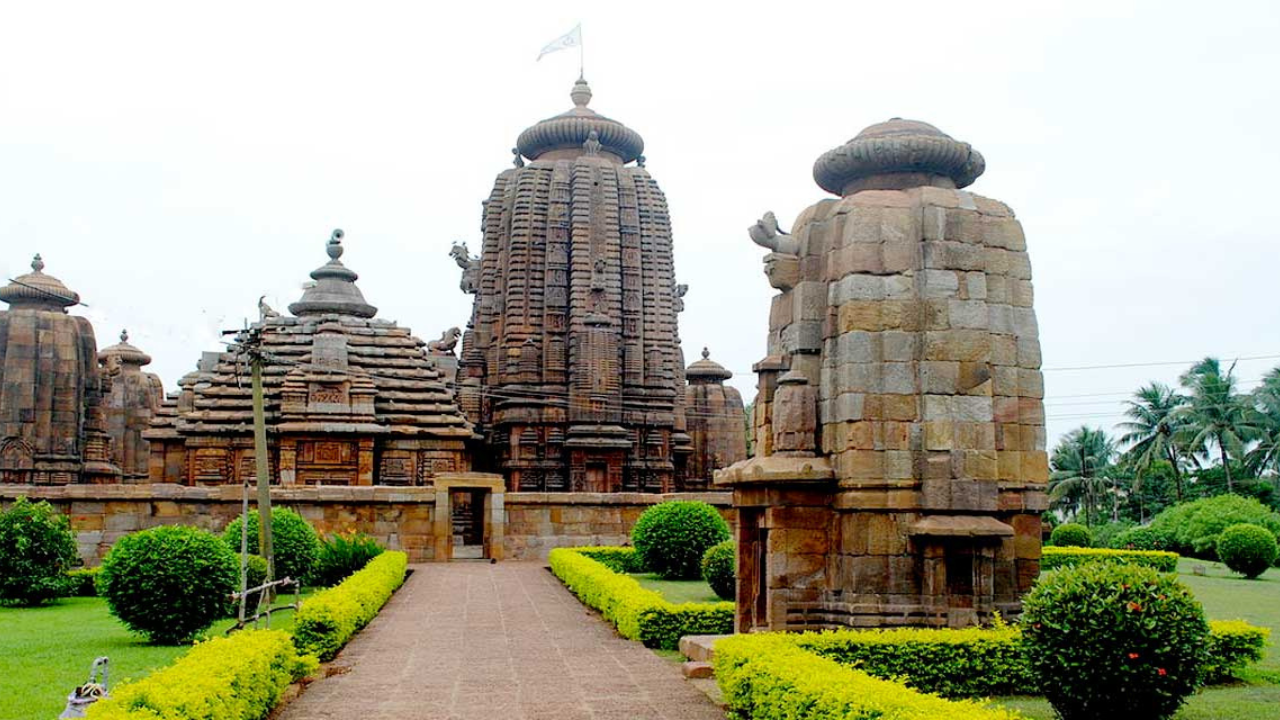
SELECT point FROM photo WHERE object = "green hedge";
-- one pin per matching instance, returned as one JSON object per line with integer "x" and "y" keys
{"x": 966, "y": 663}
{"x": 638, "y": 614}
{"x": 975, "y": 662}
{"x": 240, "y": 677}
{"x": 83, "y": 582}
{"x": 328, "y": 619}
{"x": 1056, "y": 557}
{"x": 1233, "y": 645}
{"x": 769, "y": 676}
{"x": 618, "y": 559}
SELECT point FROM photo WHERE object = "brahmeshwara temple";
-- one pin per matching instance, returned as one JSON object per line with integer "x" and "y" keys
{"x": 898, "y": 424}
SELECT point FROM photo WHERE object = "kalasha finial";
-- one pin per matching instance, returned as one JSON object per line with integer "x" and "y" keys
{"x": 37, "y": 264}
{"x": 706, "y": 354}
{"x": 581, "y": 94}
{"x": 334, "y": 248}
{"x": 124, "y": 336}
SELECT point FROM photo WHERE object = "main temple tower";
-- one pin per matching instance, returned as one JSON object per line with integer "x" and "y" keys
{"x": 571, "y": 365}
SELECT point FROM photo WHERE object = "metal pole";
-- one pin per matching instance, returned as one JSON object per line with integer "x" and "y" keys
{"x": 263, "y": 466}
{"x": 244, "y": 547}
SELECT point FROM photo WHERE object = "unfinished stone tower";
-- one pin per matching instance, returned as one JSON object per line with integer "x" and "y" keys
{"x": 571, "y": 365}
{"x": 899, "y": 422}
{"x": 52, "y": 429}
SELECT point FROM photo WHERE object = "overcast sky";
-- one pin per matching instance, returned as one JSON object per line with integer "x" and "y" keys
{"x": 174, "y": 161}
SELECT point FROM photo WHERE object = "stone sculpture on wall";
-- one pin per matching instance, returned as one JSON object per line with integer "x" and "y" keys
{"x": 899, "y": 420}
{"x": 52, "y": 426}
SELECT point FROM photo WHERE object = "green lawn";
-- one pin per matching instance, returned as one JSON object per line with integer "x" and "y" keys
{"x": 677, "y": 591}
{"x": 46, "y": 651}
{"x": 1225, "y": 596}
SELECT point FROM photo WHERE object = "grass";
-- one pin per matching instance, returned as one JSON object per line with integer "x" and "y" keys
{"x": 677, "y": 591}
{"x": 46, "y": 651}
{"x": 1225, "y": 596}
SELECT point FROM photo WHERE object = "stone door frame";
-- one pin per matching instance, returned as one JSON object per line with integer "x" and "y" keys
{"x": 494, "y": 514}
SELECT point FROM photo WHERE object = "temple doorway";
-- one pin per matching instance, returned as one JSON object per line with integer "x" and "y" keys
{"x": 468, "y": 523}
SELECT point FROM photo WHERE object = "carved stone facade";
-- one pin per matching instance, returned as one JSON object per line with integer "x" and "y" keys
{"x": 899, "y": 425}
{"x": 52, "y": 429}
{"x": 716, "y": 421}
{"x": 350, "y": 400}
{"x": 133, "y": 398}
{"x": 571, "y": 366}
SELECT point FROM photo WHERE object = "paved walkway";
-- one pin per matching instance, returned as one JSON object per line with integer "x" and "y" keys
{"x": 464, "y": 641}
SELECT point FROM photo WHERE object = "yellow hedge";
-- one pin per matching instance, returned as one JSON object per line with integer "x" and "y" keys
{"x": 239, "y": 677}
{"x": 328, "y": 619}
{"x": 1056, "y": 557}
{"x": 768, "y": 676}
{"x": 639, "y": 614}
{"x": 1233, "y": 646}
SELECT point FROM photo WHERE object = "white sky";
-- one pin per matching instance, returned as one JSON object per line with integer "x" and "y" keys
{"x": 174, "y": 161}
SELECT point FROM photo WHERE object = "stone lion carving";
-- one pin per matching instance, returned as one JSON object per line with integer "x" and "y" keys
{"x": 470, "y": 265}
{"x": 767, "y": 234}
{"x": 447, "y": 342}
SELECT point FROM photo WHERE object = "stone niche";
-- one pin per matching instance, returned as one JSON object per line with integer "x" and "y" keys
{"x": 899, "y": 420}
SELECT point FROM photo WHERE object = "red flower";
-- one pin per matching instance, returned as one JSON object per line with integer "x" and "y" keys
{"x": 1161, "y": 672}
{"x": 1134, "y": 607}
{"x": 1133, "y": 656}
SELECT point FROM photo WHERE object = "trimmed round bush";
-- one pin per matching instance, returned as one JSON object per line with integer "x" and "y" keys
{"x": 1071, "y": 535}
{"x": 1247, "y": 549}
{"x": 36, "y": 551}
{"x": 169, "y": 583}
{"x": 1194, "y": 526}
{"x": 672, "y": 537}
{"x": 719, "y": 569}
{"x": 1109, "y": 641}
{"x": 293, "y": 541}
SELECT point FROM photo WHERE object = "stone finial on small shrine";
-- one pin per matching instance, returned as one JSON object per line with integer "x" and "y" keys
{"x": 37, "y": 263}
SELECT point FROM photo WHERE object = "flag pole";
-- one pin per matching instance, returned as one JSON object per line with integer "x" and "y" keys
{"x": 582, "y": 51}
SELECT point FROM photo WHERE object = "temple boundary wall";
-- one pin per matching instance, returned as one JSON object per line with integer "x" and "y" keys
{"x": 520, "y": 525}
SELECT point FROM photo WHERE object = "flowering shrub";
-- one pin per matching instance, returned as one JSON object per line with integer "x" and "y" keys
{"x": 1114, "y": 641}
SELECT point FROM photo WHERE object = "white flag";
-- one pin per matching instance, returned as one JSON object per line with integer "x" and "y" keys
{"x": 571, "y": 39}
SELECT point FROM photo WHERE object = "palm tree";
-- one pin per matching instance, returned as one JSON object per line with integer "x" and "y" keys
{"x": 1216, "y": 416}
{"x": 1081, "y": 465}
{"x": 1155, "y": 416}
{"x": 1266, "y": 398}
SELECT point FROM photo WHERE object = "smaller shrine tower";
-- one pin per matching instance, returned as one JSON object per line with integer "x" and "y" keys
{"x": 132, "y": 401}
{"x": 716, "y": 421}
{"x": 52, "y": 429}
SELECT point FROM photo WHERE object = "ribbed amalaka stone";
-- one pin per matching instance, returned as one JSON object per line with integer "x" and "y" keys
{"x": 716, "y": 421}
{"x": 350, "y": 399}
{"x": 927, "y": 390}
{"x": 134, "y": 398}
{"x": 571, "y": 366}
{"x": 52, "y": 428}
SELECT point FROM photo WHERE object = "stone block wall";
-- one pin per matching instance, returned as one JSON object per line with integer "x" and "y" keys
{"x": 400, "y": 518}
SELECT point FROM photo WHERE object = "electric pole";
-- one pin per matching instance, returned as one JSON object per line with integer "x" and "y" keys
{"x": 249, "y": 343}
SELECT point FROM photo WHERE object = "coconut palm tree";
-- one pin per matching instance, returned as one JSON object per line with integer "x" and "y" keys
{"x": 1155, "y": 417}
{"x": 1081, "y": 465}
{"x": 1266, "y": 398}
{"x": 1216, "y": 416}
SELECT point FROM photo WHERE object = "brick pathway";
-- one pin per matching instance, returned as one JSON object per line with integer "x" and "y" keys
{"x": 464, "y": 641}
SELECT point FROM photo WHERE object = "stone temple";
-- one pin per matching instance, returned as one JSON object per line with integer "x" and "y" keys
{"x": 899, "y": 424}
{"x": 571, "y": 368}
{"x": 133, "y": 399}
{"x": 52, "y": 427}
{"x": 351, "y": 399}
